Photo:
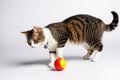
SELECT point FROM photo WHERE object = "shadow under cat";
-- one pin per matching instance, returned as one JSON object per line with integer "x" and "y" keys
{"x": 45, "y": 61}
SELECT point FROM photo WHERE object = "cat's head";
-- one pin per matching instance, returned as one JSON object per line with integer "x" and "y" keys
{"x": 34, "y": 37}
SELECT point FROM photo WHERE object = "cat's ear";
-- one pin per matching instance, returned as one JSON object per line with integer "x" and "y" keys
{"x": 25, "y": 32}
{"x": 36, "y": 29}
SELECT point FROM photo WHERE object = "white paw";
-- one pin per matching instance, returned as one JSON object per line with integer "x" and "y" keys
{"x": 86, "y": 57}
{"x": 51, "y": 65}
{"x": 95, "y": 60}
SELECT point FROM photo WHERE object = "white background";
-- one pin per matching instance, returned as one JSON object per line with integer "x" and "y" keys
{"x": 20, "y": 62}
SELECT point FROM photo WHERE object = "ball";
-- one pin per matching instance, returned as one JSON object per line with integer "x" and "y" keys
{"x": 60, "y": 64}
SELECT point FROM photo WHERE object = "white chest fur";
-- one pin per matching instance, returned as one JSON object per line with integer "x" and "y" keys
{"x": 52, "y": 43}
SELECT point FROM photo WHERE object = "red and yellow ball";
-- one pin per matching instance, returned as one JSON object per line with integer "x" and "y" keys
{"x": 60, "y": 64}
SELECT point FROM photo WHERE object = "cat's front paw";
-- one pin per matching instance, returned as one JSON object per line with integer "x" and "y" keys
{"x": 51, "y": 65}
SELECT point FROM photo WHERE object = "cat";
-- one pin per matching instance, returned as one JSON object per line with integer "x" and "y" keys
{"x": 79, "y": 29}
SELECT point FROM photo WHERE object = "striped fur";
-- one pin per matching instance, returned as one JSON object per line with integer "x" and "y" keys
{"x": 82, "y": 28}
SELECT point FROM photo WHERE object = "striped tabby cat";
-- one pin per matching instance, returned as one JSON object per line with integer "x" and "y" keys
{"x": 80, "y": 29}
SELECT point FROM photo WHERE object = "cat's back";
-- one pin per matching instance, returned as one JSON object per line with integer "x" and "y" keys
{"x": 84, "y": 18}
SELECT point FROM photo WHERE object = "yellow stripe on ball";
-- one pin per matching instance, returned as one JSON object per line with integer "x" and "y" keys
{"x": 63, "y": 63}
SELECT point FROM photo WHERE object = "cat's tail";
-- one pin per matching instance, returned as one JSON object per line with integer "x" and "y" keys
{"x": 114, "y": 22}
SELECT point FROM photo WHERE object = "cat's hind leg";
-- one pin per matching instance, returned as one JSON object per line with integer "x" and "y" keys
{"x": 96, "y": 56}
{"x": 98, "y": 48}
{"x": 89, "y": 50}
{"x": 95, "y": 47}
{"x": 89, "y": 53}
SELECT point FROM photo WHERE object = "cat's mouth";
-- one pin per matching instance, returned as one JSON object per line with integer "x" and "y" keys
{"x": 35, "y": 45}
